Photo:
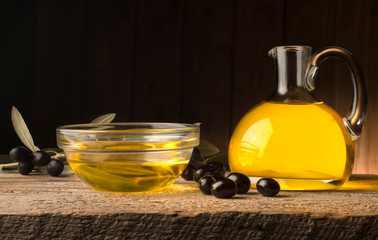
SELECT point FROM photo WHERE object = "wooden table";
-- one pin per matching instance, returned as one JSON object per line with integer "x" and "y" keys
{"x": 42, "y": 207}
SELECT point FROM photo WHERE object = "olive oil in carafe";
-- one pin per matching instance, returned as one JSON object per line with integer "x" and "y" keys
{"x": 302, "y": 146}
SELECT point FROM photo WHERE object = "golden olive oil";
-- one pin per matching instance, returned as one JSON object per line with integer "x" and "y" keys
{"x": 134, "y": 171}
{"x": 302, "y": 146}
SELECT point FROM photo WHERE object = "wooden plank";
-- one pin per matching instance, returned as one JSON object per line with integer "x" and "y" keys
{"x": 368, "y": 151}
{"x": 18, "y": 28}
{"x": 313, "y": 23}
{"x": 226, "y": 225}
{"x": 356, "y": 22}
{"x": 62, "y": 207}
{"x": 156, "y": 91}
{"x": 190, "y": 61}
{"x": 60, "y": 68}
{"x": 259, "y": 28}
{"x": 207, "y": 72}
{"x": 110, "y": 40}
{"x": 43, "y": 194}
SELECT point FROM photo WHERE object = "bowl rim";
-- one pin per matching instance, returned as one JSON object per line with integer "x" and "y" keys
{"x": 96, "y": 128}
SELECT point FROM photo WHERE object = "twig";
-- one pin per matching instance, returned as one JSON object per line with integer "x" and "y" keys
{"x": 8, "y": 166}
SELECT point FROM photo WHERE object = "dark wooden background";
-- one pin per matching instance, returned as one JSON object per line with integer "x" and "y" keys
{"x": 64, "y": 62}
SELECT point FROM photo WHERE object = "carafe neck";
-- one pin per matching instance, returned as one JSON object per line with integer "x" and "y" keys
{"x": 290, "y": 65}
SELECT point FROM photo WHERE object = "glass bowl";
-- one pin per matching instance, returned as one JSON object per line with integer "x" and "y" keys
{"x": 128, "y": 157}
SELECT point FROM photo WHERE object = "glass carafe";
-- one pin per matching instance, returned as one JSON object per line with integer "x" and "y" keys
{"x": 294, "y": 138}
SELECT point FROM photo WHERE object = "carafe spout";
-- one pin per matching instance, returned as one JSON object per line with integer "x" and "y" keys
{"x": 291, "y": 63}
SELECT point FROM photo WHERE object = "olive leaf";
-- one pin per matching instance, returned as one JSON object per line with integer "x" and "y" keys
{"x": 222, "y": 158}
{"x": 22, "y": 130}
{"x": 107, "y": 118}
{"x": 207, "y": 149}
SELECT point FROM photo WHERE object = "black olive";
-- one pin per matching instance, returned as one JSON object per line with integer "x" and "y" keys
{"x": 200, "y": 171}
{"x": 205, "y": 184}
{"x": 20, "y": 154}
{"x": 25, "y": 168}
{"x": 225, "y": 188}
{"x": 216, "y": 175}
{"x": 41, "y": 158}
{"x": 267, "y": 187}
{"x": 243, "y": 184}
{"x": 188, "y": 172}
{"x": 55, "y": 167}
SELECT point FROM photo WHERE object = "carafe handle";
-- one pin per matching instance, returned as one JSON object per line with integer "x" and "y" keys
{"x": 355, "y": 120}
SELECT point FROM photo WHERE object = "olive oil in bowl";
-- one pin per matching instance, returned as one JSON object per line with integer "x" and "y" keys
{"x": 128, "y": 157}
{"x": 126, "y": 175}
{"x": 132, "y": 172}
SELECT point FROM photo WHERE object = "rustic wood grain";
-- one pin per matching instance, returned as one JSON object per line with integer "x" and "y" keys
{"x": 156, "y": 91}
{"x": 191, "y": 61}
{"x": 43, "y": 194}
{"x": 110, "y": 57}
{"x": 18, "y": 29}
{"x": 253, "y": 74}
{"x": 60, "y": 68}
{"x": 43, "y": 207}
{"x": 355, "y": 33}
{"x": 369, "y": 140}
{"x": 176, "y": 226}
{"x": 314, "y": 24}
{"x": 207, "y": 68}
